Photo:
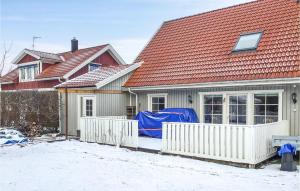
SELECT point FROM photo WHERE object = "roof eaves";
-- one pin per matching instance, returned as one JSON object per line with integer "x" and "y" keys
{"x": 118, "y": 75}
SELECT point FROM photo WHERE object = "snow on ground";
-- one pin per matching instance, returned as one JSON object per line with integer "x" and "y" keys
{"x": 73, "y": 165}
{"x": 150, "y": 143}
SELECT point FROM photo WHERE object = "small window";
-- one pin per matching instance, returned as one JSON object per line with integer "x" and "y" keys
{"x": 88, "y": 107}
{"x": 213, "y": 109}
{"x": 266, "y": 108}
{"x": 93, "y": 66}
{"x": 248, "y": 42}
{"x": 28, "y": 73}
{"x": 157, "y": 102}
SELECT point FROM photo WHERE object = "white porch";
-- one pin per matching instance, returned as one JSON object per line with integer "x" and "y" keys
{"x": 246, "y": 144}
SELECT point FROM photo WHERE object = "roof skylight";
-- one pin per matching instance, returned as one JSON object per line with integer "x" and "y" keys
{"x": 248, "y": 42}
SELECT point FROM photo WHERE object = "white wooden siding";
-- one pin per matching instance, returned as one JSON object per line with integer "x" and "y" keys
{"x": 179, "y": 98}
{"x": 250, "y": 144}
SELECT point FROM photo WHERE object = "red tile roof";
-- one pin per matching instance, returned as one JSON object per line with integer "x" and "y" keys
{"x": 10, "y": 77}
{"x": 72, "y": 60}
{"x": 198, "y": 48}
{"x": 92, "y": 78}
{"x": 46, "y": 56}
{"x": 67, "y": 62}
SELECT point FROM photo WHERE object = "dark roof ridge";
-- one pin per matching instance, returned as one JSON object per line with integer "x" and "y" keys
{"x": 84, "y": 48}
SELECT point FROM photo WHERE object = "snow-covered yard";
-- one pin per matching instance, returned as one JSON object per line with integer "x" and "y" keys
{"x": 73, "y": 165}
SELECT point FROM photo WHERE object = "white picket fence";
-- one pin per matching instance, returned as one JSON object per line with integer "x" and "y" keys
{"x": 248, "y": 144}
{"x": 113, "y": 131}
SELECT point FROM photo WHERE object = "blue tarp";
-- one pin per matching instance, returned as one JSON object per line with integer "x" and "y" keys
{"x": 287, "y": 148}
{"x": 150, "y": 124}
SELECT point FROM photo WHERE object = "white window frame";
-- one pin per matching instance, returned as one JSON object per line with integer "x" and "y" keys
{"x": 250, "y": 103}
{"x": 82, "y": 105}
{"x": 89, "y": 66}
{"x": 27, "y": 74}
{"x": 150, "y": 96}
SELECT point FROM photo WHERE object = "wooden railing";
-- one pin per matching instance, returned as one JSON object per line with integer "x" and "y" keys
{"x": 249, "y": 144}
{"x": 113, "y": 131}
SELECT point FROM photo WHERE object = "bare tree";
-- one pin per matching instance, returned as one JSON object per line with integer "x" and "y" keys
{"x": 4, "y": 55}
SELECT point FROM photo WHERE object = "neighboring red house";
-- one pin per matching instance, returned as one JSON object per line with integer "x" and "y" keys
{"x": 38, "y": 70}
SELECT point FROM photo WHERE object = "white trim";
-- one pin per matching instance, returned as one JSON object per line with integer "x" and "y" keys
{"x": 278, "y": 81}
{"x": 47, "y": 79}
{"x": 118, "y": 75}
{"x": 108, "y": 48}
{"x": 28, "y": 63}
{"x": 22, "y": 54}
{"x": 150, "y": 96}
{"x": 116, "y": 56}
{"x": 250, "y": 103}
{"x": 39, "y": 90}
{"x": 82, "y": 104}
{"x": 7, "y": 82}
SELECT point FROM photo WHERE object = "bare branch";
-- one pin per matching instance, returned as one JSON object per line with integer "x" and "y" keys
{"x": 4, "y": 56}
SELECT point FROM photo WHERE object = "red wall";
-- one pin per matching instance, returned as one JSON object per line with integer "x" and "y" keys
{"x": 30, "y": 85}
{"x": 106, "y": 60}
{"x": 83, "y": 70}
{"x": 27, "y": 58}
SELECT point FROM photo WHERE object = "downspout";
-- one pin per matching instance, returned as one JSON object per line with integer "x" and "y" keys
{"x": 66, "y": 108}
{"x": 136, "y": 100}
{"x": 60, "y": 106}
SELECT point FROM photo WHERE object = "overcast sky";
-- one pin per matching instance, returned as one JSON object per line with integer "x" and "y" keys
{"x": 127, "y": 25}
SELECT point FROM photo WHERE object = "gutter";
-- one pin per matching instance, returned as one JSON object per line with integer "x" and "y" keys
{"x": 278, "y": 81}
{"x": 136, "y": 100}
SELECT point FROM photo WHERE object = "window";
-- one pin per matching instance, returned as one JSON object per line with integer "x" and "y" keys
{"x": 88, "y": 106}
{"x": 238, "y": 109}
{"x": 157, "y": 102}
{"x": 213, "y": 109}
{"x": 248, "y": 42}
{"x": 266, "y": 108}
{"x": 93, "y": 66}
{"x": 28, "y": 73}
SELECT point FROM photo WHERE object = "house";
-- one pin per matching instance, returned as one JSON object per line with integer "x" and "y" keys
{"x": 238, "y": 65}
{"x": 98, "y": 93}
{"x": 36, "y": 75}
{"x": 36, "y": 70}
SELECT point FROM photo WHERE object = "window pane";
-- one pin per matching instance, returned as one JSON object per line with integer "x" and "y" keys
{"x": 207, "y": 99}
{"x": 217, "y": 119}
{"x": 208, "y": 109}
{"x": 272, "y": 110}
{"x": 208, "y": 118}
{"x": 161, "y": 100}
{"x": 271, "y": 119}
{"x": 233, "y": 119}
{"x": 259, "y": 119}
{"x": 233, "y": 110}
{"x": 272, "y": 99}
{"x": 242, "y": 120}
{"x": 233, "y": 100}
{"x": 242, "y": 99}
{"x": 242, "y": 109}
{"x": 217, "y": 109}
{"x": 155, "y": 107}
{"x": 217, "y": 100}
{"x": 248, "y": 41}
{"x": 161, "y": 107}
{"x": 259, "y": 110}
{"x": 259, "y": 99}
{"x": 155, "y": 100}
